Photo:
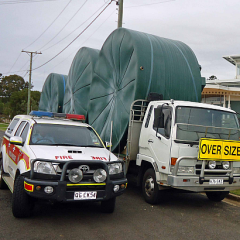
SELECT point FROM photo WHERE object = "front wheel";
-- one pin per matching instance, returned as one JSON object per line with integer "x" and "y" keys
{"x": 216, "y": 196}
{"x": 3, "y": 185}
{"x": 22, "y": 203}
{"x": 108, "y": 206}
{"x": 149, "y": 187}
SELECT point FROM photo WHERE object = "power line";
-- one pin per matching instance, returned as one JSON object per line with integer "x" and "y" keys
{"x": 25, "y": 74}
{"x": 14, "y": 62}
{"x": 39, "y": 36}
{"x": 20, "y": 70}
{"x": 64, "y": 25}
{"x": 49, "y": 25}
{"x": 77, "y": 36}
{"x": 150, "y": 4}
{"x": 24, "y": 1}
{"x": 73, "y": 30}
{"x": 85, "y": 40}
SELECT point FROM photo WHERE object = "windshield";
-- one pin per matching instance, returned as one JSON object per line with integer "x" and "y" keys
{"x": 56, "y": 134}
{"x": 195, "y": 123}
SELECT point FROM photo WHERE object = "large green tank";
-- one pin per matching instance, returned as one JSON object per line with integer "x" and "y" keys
{"x": 132, "y": 64}
{"x": 51, "y": 99}
{"x": 76, "y": 98}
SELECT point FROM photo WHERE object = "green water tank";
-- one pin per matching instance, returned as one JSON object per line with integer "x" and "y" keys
{"x": 76, "y": 98}
{"x": 52, "y": 95}
{"x": 132, "y": 64}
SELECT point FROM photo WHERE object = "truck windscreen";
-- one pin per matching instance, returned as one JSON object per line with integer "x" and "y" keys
{"x": 64, "y": 135}
{"x": 194, "y": 123}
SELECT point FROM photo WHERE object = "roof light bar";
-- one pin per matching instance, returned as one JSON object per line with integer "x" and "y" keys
{"x": 41, "y": 114}
{"x": 75, "y": 116}
{"x": 57, "y": 115}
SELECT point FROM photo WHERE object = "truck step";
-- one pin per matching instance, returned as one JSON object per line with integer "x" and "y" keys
{"x": 9, "y": 181}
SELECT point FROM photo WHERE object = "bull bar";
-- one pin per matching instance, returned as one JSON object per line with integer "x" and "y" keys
{"x": 201, "y": 183}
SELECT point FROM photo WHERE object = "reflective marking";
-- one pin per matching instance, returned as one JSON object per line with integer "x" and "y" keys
{"x": 28, "y": 187}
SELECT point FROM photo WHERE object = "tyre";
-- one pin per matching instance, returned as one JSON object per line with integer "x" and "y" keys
{"x": 22, "y": 203}
{"x": 149, "y": 187}
{"x": 216, "y": 196}
{"x": 108, "y": 206}
{"x": 3, "y": 185}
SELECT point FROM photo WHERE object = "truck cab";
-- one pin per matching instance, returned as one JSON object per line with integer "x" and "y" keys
{"x": 184, "y": 145}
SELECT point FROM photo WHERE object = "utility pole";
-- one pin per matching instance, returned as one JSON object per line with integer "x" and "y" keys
{"x": 30, "y": 78}
{"x": 120, "y": 12}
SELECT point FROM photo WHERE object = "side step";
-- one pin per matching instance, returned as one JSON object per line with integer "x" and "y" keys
{"x": 8, "y": 180}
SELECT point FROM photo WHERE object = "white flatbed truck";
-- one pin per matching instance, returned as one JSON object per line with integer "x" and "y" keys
{"x": 183, "y": 145}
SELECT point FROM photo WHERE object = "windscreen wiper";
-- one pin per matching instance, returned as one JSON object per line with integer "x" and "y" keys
{"x": 92, "y": 146}
{"x": 65, "y": 144}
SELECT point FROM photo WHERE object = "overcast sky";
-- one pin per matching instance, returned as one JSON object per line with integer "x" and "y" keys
{"x": 210, "y": 27}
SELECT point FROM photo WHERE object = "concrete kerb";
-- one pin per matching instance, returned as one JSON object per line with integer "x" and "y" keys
{"x": 233, "y": 197}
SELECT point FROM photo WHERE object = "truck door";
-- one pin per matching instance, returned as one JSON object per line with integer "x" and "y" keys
{"x": 159, "y": 140}
{"x": 6, "y": 147}
{"x": 17, "y": 152}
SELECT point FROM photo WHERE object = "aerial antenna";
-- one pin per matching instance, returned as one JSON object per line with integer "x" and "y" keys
{"x": 110, "y": 149}
{"x": 119, "y": 147}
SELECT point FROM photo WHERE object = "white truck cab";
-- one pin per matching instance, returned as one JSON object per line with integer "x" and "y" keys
{"x": 184, "y": 145}
{"x": 57, "y": 158}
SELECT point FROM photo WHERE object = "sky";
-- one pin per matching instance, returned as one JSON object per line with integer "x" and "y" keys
{"x": 211, "y": 28}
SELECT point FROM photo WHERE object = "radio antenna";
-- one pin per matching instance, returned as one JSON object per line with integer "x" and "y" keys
{"x": 110, "y": 149}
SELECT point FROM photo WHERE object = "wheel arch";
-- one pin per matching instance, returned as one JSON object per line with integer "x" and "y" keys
{"x": 3, "y": 157}
{"x": 17, "y": 174}
{"x": 145, "y": 165}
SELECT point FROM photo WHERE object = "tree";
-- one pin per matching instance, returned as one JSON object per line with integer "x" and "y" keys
{"x": 213, "y": 77}
{"x": 18, "y": 102}
{"x": 1, "y": 107}
{"x": 11, "y": 84}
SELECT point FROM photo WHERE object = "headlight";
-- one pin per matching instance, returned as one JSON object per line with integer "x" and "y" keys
{"x": 75, "y": 175}
{"x": 100, "y": 175}
{"x": 183, "y": 169}
{"x": 115, "y": 168}
{"x": 44, "y": 167}
{"x": 212, "y": 164}
{"x": 225, "y": 165}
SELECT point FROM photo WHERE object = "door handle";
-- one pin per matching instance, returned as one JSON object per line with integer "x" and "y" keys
{"x": 150, "y": 140}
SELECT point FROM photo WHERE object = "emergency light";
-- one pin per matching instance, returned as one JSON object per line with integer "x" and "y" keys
{"x": 57, "y": 115}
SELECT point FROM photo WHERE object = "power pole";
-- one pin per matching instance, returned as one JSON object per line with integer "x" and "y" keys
{"x": 120, "y": 12}
{"x": 30, "y": 78}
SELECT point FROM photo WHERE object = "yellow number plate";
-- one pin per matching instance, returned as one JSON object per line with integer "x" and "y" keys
{"x": 216, "y": 149}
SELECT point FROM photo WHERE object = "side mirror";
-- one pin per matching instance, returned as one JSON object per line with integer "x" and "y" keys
{"x": 16, "y": 140}
{"x": 108, "y": 144}
{"x": 158, "y": 118}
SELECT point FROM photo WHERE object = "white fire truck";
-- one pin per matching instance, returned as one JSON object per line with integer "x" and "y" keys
{"x": 183, "y": 145}
{"x": 44, "y": 156}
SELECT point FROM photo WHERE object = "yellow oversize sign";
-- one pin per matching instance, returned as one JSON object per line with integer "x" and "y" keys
{"x": 217, "y": 149}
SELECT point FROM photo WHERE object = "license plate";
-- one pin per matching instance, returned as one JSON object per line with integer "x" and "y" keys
{"x": 216, "y": 181}
{"x": 85, "y": 195}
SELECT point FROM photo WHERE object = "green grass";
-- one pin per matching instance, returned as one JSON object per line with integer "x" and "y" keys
{"x": 3, "y": 126}
{"x": 236, "y": 192}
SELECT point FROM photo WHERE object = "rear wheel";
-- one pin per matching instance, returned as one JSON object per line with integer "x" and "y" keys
{"x": 108, "y": 206}
{"x": 22, "y": 203}
{"x": 149, "y": 187}
{"x": 3, "y": 185}
{"x": 216, "y": 196}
